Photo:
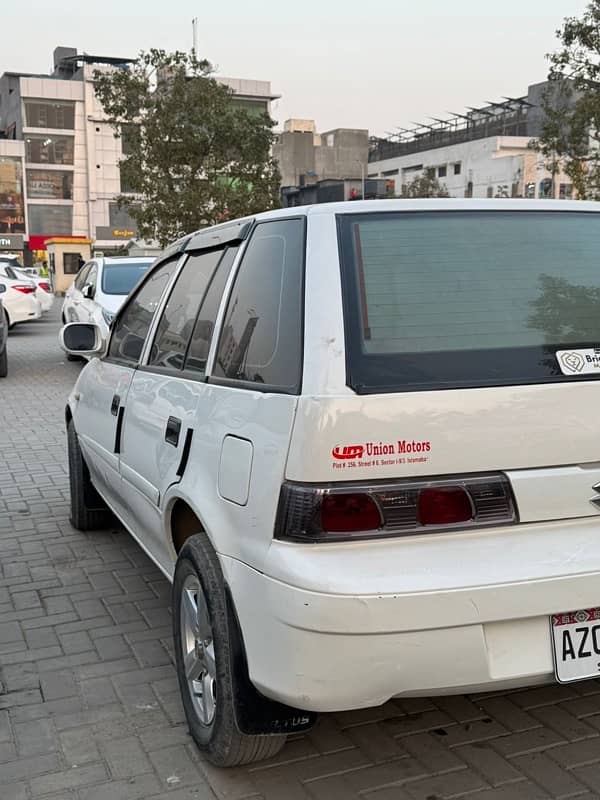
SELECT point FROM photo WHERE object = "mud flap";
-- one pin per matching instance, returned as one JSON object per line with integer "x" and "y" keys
{"x": 256, "y": 714}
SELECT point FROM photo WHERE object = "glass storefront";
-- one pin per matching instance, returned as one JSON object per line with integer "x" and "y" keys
{"x": 12, "y": 207}
{"x": 50, "y": 220}
{"x": 56, "y": 114}
{"x": 49, "y": 149}
{"x": 49, "y": 184}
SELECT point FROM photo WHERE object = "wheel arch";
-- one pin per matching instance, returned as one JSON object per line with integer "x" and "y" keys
{"x": 182, "y": 521}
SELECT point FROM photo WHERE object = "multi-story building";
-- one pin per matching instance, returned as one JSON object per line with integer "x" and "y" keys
{"x": 307, "y": 158}
{"x": 69, "y": 176}
{"x": 485, "y": 152}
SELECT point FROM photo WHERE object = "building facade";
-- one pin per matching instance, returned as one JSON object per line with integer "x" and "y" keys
{"x": 484, "y": 152}
{"x": 69, "y": 156}
{"x": 306, "y": 157}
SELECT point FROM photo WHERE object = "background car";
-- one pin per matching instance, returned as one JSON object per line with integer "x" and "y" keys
{"x": 19, "y": 301}
{"x": 43, "y": 291}
{"x": 3, "y": 336}
{"x": 100, "y": 288}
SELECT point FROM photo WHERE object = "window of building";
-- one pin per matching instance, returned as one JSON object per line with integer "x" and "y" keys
{"x": 414, "y": 168}
{"x": 490, "y": 191}
{"x": 546, "y": 188}
{"x": 205, "y": 323}
{"x": 442, "y": 171}
{"x": 565, "y": 191}
{"x": 50, "y": 220}
{"x": 126, "y": 188}
{"x": 129, "y": 133}
{"x": 457, "y": 168}
{"x": 49, "y": 184}
{"x": 179, "y": 315}
{"x": 131, "y": 328}
{"x": 261, "y": 339}
{"x": 57, "y": 114}
{"x": 387, "y": 173}
{"x": 49, "y": 149}
{"x": 469, "y": 189}
{"x": 72, "y": 263}
{"x": 119, "y": 217}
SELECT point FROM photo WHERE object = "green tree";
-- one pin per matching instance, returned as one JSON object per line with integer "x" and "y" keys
{"x": 193, "y": 158}
{"x": 426, "y": 185}
{"x": 571, "y": 131}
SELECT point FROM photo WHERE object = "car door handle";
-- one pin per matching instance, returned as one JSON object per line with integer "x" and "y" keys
{"x": 114, "y": 406}
{"x": 172, "y": 431}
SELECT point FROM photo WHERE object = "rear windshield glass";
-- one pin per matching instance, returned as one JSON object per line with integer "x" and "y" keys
{"x": 121, "y": 278}
{"x": 449, "y": 299}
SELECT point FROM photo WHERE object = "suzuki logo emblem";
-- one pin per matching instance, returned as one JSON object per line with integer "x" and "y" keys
{"x": 596, "y": 500}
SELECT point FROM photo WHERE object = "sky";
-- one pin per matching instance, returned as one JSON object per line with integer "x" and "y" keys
{"x": 376, "y": 65}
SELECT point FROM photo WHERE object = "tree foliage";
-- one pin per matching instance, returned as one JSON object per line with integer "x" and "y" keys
{"x": 426, "y": 185}
{"x": 193, "y": 157}
{"x": 571, "y": 131}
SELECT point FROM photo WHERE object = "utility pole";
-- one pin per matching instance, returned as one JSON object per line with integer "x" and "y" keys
{"x": 195, "y": 36}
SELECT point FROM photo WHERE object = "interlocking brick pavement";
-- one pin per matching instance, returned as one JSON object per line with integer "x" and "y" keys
{"x": 89, "y": 703}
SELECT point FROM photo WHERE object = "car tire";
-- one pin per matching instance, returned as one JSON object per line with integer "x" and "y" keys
{"x": 3, "y": 364}
{"x": 200, "y": 600}
{"x": 88, "y": 510}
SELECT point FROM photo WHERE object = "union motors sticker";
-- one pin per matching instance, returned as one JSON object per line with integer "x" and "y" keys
{"x": 380, "y": 454}
{"x": 579, "y": 362}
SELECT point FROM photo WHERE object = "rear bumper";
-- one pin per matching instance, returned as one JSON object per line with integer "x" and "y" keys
{"x": 325, "y": 651}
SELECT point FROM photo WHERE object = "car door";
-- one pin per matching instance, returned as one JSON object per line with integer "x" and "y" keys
{"x": 74, "y": 296}
{"x": 102, "y": 389}
{"x": 161, "y": 407}
{"x": 87, "y": 305}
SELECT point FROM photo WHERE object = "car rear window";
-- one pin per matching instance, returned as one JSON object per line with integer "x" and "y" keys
{"x": 121, "y": 278}
{"x": 450, "y": 299}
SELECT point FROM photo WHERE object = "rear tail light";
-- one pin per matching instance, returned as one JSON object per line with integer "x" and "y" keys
{"x": 349, "y": 513}
{"x": 23, "y": 288}
{"x": 402, "y": 508}
{"x": 44, "y": 286}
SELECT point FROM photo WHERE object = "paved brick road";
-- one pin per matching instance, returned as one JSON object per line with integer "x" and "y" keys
{"x": 89, "y": 705}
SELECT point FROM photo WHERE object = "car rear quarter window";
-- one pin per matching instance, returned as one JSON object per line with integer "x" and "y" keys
{"x": 449, "y": 299}
{"x": 260, "y": 343}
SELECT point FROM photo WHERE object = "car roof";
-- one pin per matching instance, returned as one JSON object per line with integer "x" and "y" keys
{"x": 124, "y": 260}
{"x": 239, "y": 228}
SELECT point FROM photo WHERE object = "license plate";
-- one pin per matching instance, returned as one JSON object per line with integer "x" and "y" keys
{"x": 576, "y": 640}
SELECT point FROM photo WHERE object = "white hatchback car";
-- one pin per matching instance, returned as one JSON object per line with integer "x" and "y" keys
{"x": 100, "y": 289}
{"x": 362, "y": 441}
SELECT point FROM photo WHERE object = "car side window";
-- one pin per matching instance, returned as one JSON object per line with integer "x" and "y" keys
{"x": 79, "y": 281}
{"x": 261, "y": 338}
{"x": 179, "y": 314}
{"x": 199, "y": 345}
{"x": 92, "y": 277}
{"x": 132, "y": 326}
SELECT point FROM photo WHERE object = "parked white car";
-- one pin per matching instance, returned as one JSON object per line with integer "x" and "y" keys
{"x": 19, "y": 301}
{"x": 362, "y": 441}
{"x": 43, "y": 291}
{"x": 100, "y": 289}
{"x": 3, "y": 336}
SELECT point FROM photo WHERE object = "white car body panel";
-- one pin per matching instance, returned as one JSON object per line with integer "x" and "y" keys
{"x": 20, "y": 307}
{"x": 417, "y": 614}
